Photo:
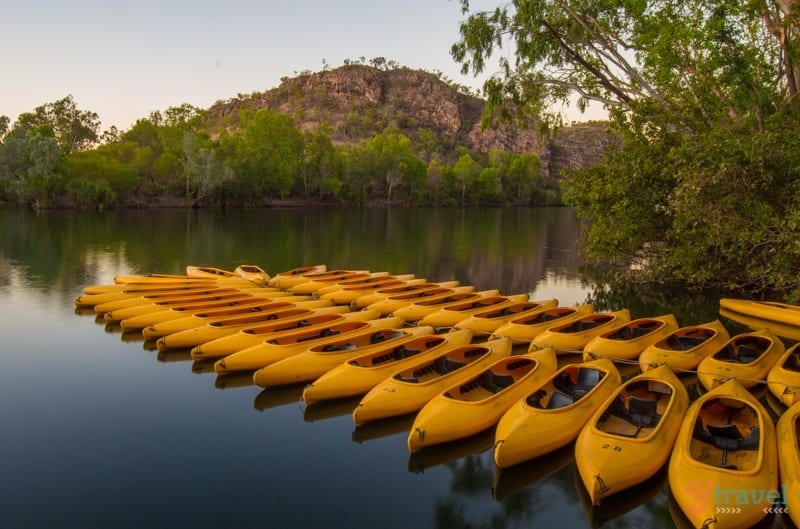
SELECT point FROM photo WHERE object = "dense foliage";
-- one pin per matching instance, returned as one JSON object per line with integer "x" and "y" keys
{"x": 705, "y": 186}
{"x": 172, "y": 159}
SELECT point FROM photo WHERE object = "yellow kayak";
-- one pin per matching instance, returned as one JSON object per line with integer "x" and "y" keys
{"x": 784, "y": 330}
{"x": 409, "y": 389}
{"x": 219, "y": 294}
{"x": 784, "y": 377}
{"x": 747, "y": 357}
{"x": 524, "y": 329}
{"x": 285, "y": 279}
{"x": 92, "y": 300}
{"x": 269, "y": 312}
{"x": 450, "y": 315}
{"x": 360, "y": 374}
{"x": 289, "y": 343}
{"x": 684, "y": 348}
{"x": 383, "y": 293}
{"x": 224, "y": 327}
{"x": 162, "y": 284}
{"x": 317, "y": 360}
{"x": 478, "y": 402}
{"x": 572, "y": 337}
{"x": 348, "y": 294}
{"x": 486, "y": 322}
{"x": 374, "y": 279}
{"x": 258, "y": 333}
{"x": 551, "y": 413}
{"x": 724, "y": 466}
{"x": 390, "y": 304}
{"x": 315, "y": 282}
{"x": 788, "y": 431}
{"x": 764, "y": 310}
{"x": 627, "y": 341}
{"x": 252, "y": 273}
{"x": 134, "y": 318}
{"x": 418, "y": 310}
{"x": 630, "y": 437}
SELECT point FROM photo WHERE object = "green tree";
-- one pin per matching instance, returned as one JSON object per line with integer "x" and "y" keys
{"x": 266, "y": 153}
{"x": 205, "y": 173}
{"x": 700, "y": 188}
{"x": 465, "y": 171}
{"x": 391, "y": 159}
{"x": 523, "y": 174}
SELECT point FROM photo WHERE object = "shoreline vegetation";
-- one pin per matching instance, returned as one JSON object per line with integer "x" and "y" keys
{"x": 694, "y": 179}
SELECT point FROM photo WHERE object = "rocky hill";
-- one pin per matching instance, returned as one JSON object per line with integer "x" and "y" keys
{"x": 357, "y": 101}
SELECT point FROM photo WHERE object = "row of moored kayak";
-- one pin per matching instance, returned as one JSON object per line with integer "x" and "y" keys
{"x": 446, "y": 352}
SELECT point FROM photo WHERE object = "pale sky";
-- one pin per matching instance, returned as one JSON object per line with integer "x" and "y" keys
{"x": 124, "y": 60}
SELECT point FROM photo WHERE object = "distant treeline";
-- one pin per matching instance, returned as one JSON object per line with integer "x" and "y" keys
{"x": 55, "y": 156}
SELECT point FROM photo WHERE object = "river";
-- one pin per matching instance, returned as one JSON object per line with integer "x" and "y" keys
{"x": 101, "y": 431}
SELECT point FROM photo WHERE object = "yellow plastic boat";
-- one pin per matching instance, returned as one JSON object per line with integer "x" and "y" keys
{"x": 486, "y": 322}
{"x": 220, "y": 294}
{"x": 156, "y": 279}
{"x": 524, "y": 329}
{"x": 373, "y": 280}
{"x": 231, "y": 325}
{"x": 252, "y": 273}
{"x": 383, "y": 293}
{"x": 259, "y": 333}
{"x": 395, "y": 302}
{"x": 747, "y": 357}
{"x": 162, "y": 284}
{"x": 452, "y": 314}
{"x": 550, "y": 414}
{"x": 630, "y": 437}
{"x": 268, "y": 313}
{"x": 784, "y": 377}
{"x": 478, "y": 403}
{"x": 784, "y": 330}
{"x": 360, "y": 374}
{"x": 627, "y": 341}
{"x": 315, "y": 361}
{"x": 408, "y": 390}
{"x": 285, "y": 344}
{"x": 418, "y": 310}
{"x": 572, "y": 337}
{"x": 764, "y": 310}
{"x": 134, "y": 318}
{"x": 347, "y": 295}
{"x": 315, "y": 282}
{"x": 286, "y": 279}
{"x": 684, "y": 348}
{"x": 788, "y": 432}
{"x": 723, "y": 470}
{"x": 91, "y": 300}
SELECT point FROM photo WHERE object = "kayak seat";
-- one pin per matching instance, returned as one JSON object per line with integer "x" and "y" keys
{"x": 588, "y": 378}
{"x": 643, "y": 329}
{"x": 793, "y": 362}
{"x": 559, "y": 400}
{"x": 342, "y": 347}
{"x": 642, "y": 412}
{"x": 684, "y": 343}
{"x": 494, "y": 382}
{"x": 378, "y": 337}
{"x": 444, "y": 365}
{"x": 747, "y": 353}
{"x": 727, "y": 437}
{"x": 400, "y": 352}
{"x": 328, "y": 332}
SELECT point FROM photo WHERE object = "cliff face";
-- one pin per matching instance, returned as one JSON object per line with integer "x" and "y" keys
{"x": 357, "y": 101}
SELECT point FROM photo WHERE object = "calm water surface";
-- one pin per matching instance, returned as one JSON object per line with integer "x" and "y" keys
{"x": 99, "y": 431}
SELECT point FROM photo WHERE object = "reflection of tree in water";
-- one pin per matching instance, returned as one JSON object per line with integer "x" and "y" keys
{"x": 614, "y": 292}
